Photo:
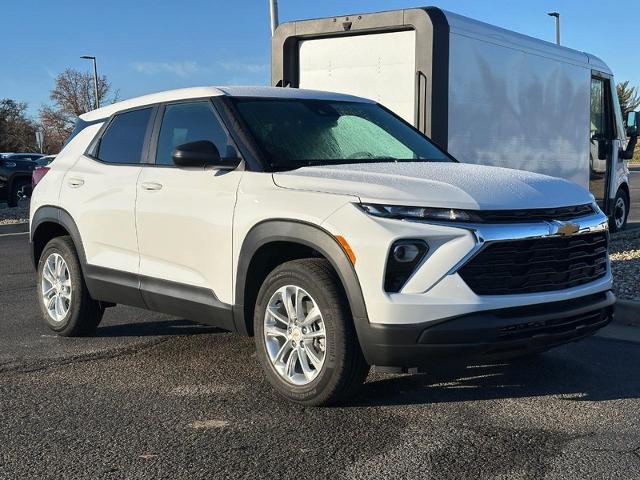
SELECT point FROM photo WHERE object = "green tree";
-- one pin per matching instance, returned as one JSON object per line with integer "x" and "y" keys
{"x": 17, "y": 131}
{"x": 628, "y": 97}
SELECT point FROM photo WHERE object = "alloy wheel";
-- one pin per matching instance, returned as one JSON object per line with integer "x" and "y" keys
{"x": 295, "y": 335}
{"x": 55, "y": 287}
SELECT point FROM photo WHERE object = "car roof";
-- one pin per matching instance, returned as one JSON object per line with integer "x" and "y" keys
{"x": 203, "y": 92}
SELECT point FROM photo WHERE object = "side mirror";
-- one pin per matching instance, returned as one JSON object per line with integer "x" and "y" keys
{"x": 633, "y": 118}
{"x": 202, "y": 153}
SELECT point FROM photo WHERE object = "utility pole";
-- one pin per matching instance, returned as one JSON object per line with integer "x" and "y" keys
{"x": 557, "y": 16}
{"x": 95, "y": 77}
{"x": 273, "y": 11}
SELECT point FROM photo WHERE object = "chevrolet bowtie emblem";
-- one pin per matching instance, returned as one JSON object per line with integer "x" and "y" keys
{"x": 563, "y": 228}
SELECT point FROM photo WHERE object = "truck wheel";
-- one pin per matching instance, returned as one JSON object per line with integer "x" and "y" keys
{"x": 14, "y": 198}
{"x": 64, "y": 299}
{"x": 620, "y": 212}
{"x": 304, "y": 334}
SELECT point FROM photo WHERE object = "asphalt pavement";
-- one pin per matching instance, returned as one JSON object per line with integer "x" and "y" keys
{"x": 152, "y": 396}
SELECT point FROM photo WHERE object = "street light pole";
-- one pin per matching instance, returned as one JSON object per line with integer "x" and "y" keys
{"x": 273, "y": 11}
{"x": 95, "y": 77}
{"x": 557, "y": 16}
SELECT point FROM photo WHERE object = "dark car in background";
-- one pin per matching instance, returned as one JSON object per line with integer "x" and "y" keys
{"x": 24, "y": 156}
{"x": 15, "y": 175}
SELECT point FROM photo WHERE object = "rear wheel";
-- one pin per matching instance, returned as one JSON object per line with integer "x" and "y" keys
{"x": 64, "y": 299}
{"x": 305, "y": 336}
{"x": 620, "y": 211}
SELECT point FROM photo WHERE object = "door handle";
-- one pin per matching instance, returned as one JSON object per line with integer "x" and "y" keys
{"x": 75, "y": 182}
{"x": 151, "y": 186}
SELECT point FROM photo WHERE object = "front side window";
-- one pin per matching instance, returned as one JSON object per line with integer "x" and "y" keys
{"x": 190, "y": 122}
{"x": 123, "y": 140}
{"x": 292, "y": 133}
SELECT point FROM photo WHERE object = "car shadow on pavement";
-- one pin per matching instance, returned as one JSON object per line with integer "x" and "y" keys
{"x": 155, "y": 328}
{"x": 575, "y": 378}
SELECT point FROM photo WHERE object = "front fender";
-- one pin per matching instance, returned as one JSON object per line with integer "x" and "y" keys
{"x": 307, "y": 234}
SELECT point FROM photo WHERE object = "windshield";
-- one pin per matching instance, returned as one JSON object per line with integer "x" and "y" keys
{"x": 295, "y": 133}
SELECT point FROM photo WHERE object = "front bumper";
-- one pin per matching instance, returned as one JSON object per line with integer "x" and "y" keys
{"x": 487, "y": 335}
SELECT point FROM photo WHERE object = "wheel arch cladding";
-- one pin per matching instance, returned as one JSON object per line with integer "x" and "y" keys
{"x": 302, "y": 241}
{"x": 50, "y": 222}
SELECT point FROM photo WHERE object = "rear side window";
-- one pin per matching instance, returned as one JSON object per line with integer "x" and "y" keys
{"x": 123, "y": 140}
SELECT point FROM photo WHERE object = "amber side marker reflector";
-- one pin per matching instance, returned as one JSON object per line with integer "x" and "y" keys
{"x": 347, "y": 248}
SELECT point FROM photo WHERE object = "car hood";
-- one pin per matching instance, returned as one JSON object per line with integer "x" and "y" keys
{"x": 437, "y": 184}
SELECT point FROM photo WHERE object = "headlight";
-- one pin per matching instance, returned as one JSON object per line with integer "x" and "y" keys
{"x": 420, "y": 213}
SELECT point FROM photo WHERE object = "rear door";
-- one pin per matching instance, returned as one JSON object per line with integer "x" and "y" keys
{"x": 99, "y": 191}
{"x": 185, "y": 215}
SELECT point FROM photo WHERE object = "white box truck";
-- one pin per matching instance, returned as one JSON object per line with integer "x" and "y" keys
{"x": 485, "y": 94}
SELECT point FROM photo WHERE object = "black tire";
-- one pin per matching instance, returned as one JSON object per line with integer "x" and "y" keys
{"x": 12, "y": 200}
{"x": 84, "y": 313}
{"x": 620, "y": 212}
{"x": 344, "y": 369}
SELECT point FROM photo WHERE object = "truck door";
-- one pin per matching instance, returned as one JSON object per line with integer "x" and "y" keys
{"x": 602, "y": 139}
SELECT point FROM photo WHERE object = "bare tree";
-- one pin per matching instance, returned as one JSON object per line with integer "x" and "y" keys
{"x": 17, "y": 131}
{"x": 56, "y": 128}
{"x": 73, "y": 95}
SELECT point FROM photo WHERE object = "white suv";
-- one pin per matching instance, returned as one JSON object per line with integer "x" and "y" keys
{"x": 324, "y": 225}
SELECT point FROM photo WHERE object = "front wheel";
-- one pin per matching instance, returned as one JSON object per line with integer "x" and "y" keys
{"x": 620, "y": 211}
{"x": 304, "y": 334}
{"x": 64, "y": 299}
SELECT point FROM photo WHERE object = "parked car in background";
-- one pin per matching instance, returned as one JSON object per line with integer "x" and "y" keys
{"x": 46, "y": 160}
{"x": 25, "y": 156}
{"x": 15, "y": 176}
{"x": 324, "y": 225}
{"x": 5, "y": 154}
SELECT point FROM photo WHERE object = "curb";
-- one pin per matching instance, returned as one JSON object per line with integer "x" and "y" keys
{"x": 14, "y": 228}
{"x": 627, "y": 312}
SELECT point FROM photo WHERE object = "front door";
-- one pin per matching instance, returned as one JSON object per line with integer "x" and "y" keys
{"x": 601, "y": 138}
{"x": 184, "y": 216}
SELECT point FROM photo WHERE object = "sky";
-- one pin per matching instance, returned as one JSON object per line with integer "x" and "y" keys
{"x": 145, "y": 46}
